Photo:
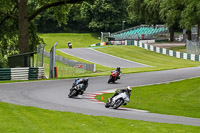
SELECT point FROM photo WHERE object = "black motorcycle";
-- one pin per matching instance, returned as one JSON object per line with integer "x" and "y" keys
{"x": 76, "y": 90}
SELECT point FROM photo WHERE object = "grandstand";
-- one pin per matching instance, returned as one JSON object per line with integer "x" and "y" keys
{"x": 142, "y": 32}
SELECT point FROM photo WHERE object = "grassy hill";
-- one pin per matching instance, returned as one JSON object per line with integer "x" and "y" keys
{"x": 77, "y": 39}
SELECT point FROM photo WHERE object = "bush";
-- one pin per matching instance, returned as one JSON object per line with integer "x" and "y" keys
{"x": 3, "y": 62}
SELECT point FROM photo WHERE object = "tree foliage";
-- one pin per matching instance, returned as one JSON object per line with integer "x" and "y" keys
{"x": 190, "y": 16}
{"x": 184, "y": 13}
{"x": 18, "y": 17}
{"x": 18, "y": 27}
{"x": 144, "y": 11}
{"x": 105, "y": 15}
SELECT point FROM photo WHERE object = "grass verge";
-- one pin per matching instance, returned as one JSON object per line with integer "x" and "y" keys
{"x": 158, "y": 61}
{"x": 22, "y": 119}
{"x": 176, "y": 98}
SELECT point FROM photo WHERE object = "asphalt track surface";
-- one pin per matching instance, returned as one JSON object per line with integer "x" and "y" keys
{"x": 101, "y": 58}
{"x": 52, "y": 94}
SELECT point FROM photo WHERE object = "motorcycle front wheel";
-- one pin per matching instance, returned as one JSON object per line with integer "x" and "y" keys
{"x": 118, "y": 103}
{"x": 72, "y": 93}
{"x": 107, "y": 105}
{"x": 110, "y": 80}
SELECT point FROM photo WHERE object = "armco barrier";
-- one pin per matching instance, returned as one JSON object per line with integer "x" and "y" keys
{"x": 168, "y": 52}
{"x": 41, "y": 73}
{"x": 24, "y": 73}
{"x": 19, "y": 73}
{"x": 33, "y": 73}
{"x": 5, "y": 74}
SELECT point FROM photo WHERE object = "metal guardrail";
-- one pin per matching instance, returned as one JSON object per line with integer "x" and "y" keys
{"x": 41, "y": 73}
{"x": 24, "y": 73}
{"x": 19, "y": 73}
{"x": 89, "y": 67}
{"x": 33, "y": 73}
{"x": 5, "y": 74}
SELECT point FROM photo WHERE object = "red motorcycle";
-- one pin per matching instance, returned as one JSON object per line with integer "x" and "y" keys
{"x": 113, "y": 76}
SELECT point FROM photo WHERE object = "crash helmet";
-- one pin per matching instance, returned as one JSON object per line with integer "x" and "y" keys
{"x": 118, "y": 69}
{"x": 129, "y": 88}
{"x": 76, "y": 79}
{"x": 86, "y": 79}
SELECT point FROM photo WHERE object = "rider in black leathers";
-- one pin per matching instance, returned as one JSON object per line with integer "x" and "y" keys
{"x": 119, "y": 72}
{"x": 82, "y": 83}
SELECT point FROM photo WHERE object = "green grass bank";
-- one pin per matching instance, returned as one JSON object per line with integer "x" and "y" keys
{"x": 78, "y": 40}
{"x": 21, "y": 119}
{"x": 175, "y": 98}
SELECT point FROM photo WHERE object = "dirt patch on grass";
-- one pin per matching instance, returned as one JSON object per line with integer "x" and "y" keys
{"x": 168, "y": 45}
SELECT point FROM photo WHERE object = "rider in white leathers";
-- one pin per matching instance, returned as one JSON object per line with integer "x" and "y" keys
{"x": 128, "y": 90}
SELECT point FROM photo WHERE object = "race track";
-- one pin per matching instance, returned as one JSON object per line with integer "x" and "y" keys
{"x": 102, "y": 58}
{"x": 52, "y": 95}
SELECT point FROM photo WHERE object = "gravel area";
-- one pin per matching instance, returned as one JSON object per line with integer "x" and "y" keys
{"x": 168, "y": 45}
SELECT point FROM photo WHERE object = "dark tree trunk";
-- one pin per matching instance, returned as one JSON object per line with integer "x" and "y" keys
{"x": 23, "y": 27}
{"x": 171, "y": 31}
{"x": 189, "y": 35}
{"x": 24, "y": 20}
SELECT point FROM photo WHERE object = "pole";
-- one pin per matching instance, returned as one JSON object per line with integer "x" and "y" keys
{"x": 123, "y": 24}
{"x": 52, "y": 61}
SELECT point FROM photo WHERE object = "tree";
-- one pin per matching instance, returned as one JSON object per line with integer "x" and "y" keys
{"x": 104, "y": 15}
{"x": 167, "y": 12}
{"x": 22, "y": 12}
{"x": 190, "y": 16}
{"x": 8, "y": 28}
{"x": 145, "y": 11}
{"x": 170, "y": 11}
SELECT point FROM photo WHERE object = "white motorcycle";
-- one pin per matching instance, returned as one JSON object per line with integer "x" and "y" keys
{"x": 117, "y": 101}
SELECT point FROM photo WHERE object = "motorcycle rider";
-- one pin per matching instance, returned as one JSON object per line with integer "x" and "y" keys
{"x": 128, "y": 90}
{"x": 69, "y": 45}
{"x": 118, "y": 72}
{"x": 82, "y": 83}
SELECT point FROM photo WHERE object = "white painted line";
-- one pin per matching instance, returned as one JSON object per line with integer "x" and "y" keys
{"x": 136, "y": 110}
